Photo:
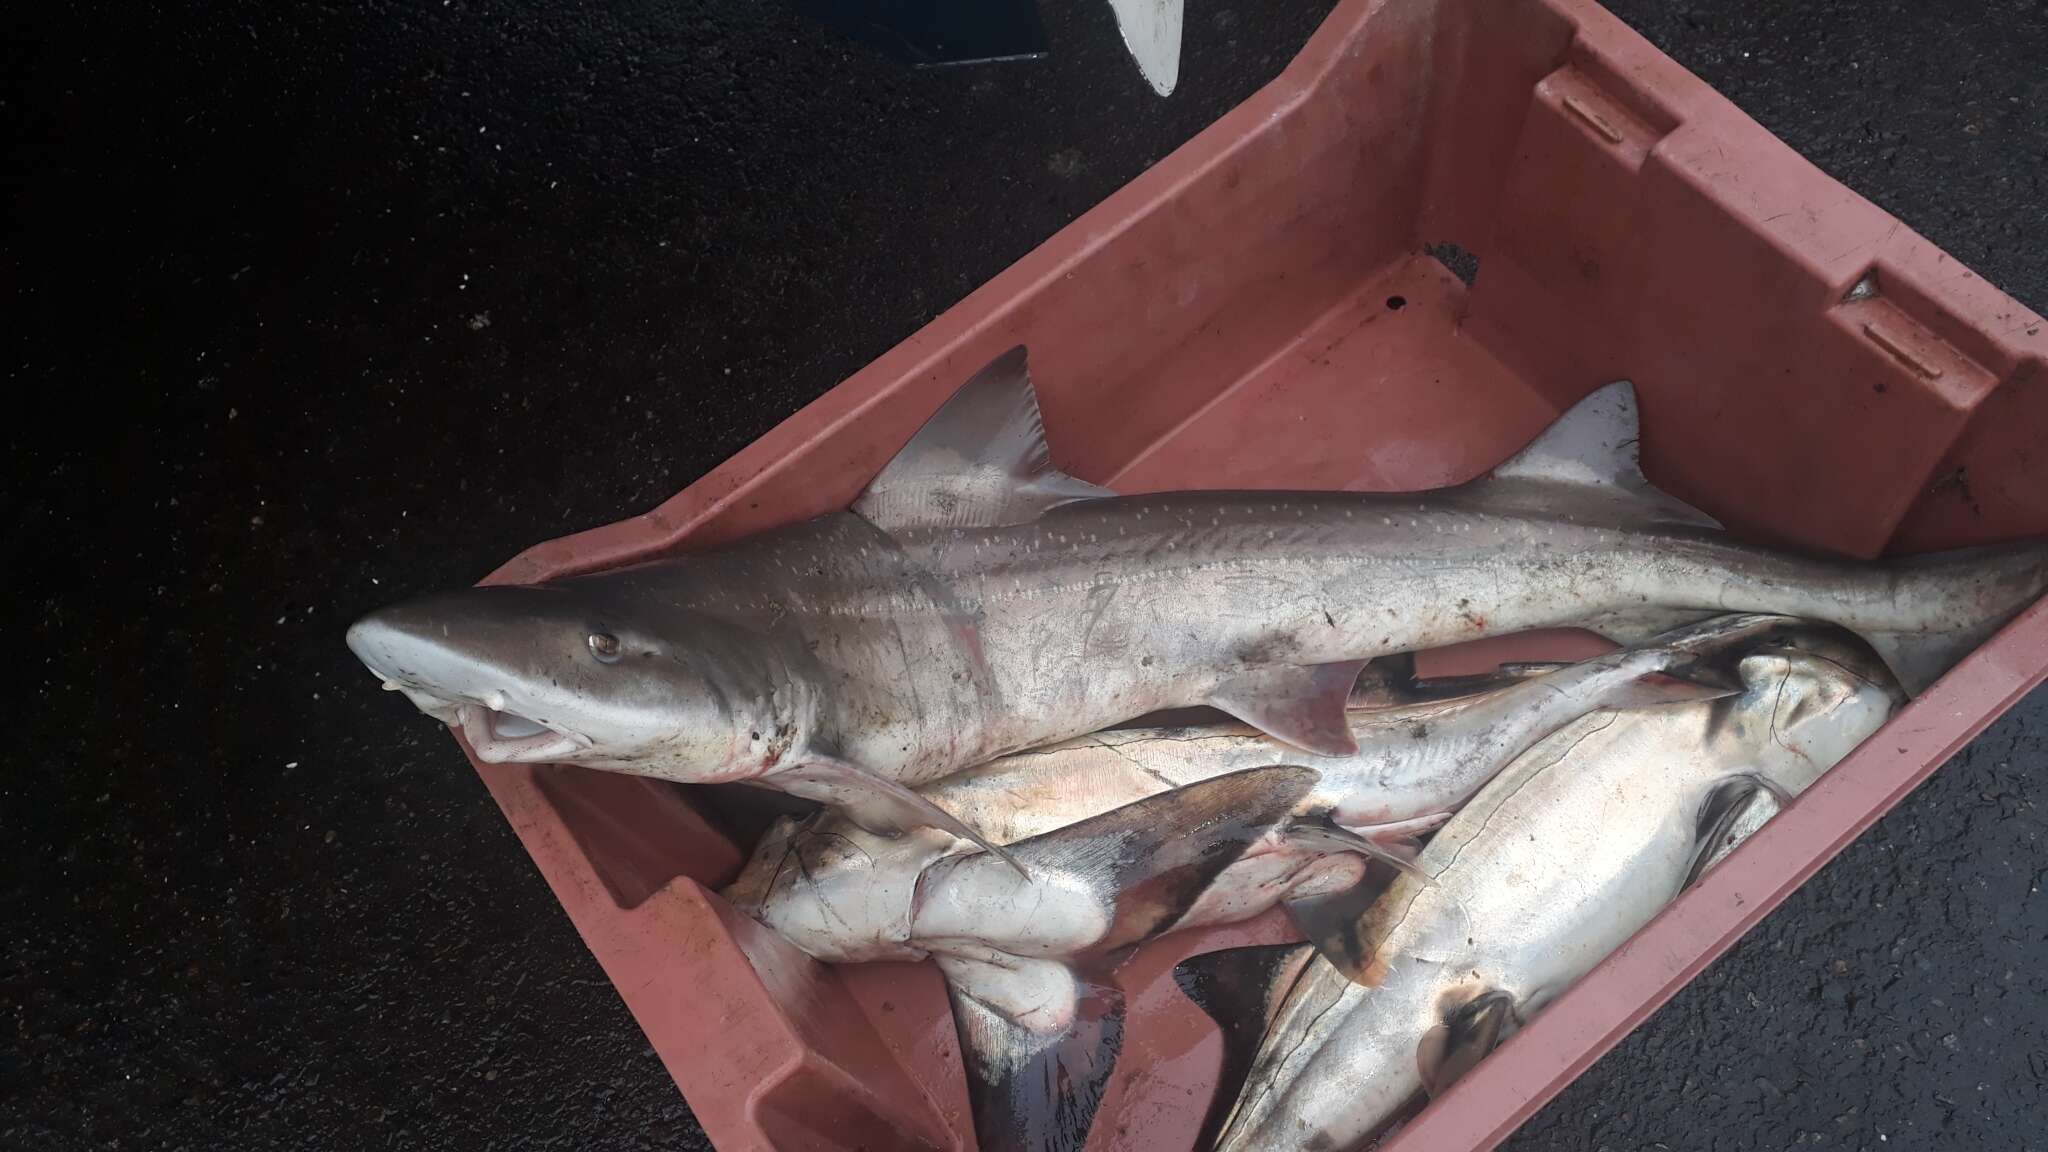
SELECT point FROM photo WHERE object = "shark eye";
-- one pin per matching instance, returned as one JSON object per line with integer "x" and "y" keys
{"x": 604, "y": 646}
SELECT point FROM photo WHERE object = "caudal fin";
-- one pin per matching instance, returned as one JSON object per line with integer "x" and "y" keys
{"x": 1242, "y": 990}
{"x": 1033, "y": 1089}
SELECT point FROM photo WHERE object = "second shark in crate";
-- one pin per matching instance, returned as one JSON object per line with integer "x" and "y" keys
{"x": 1555, "y": 863}
{"x": 1129, "y": 834}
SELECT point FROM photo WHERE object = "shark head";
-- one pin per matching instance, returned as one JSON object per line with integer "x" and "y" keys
{"x": 565, "y": 673}
{"x": 1818, "y": 695}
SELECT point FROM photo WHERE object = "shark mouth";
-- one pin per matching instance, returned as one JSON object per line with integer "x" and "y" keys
{"x": 499, "y": 737}
{"x": 494, "y": 734}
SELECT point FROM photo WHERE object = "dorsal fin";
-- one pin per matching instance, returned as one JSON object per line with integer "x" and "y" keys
{"x": 1585, "y": 466}
{"x": 979, "y": 462}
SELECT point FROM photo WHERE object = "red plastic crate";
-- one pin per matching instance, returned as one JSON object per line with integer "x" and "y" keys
{"x": 1261, "y": 310}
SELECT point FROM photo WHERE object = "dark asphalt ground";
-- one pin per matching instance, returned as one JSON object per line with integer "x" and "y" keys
{"x": 313, "y": 306}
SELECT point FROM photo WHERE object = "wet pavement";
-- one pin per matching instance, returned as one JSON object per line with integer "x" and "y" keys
{"x": 315, "y": 306}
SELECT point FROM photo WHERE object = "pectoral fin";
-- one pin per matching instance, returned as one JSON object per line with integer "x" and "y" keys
{"x": 1733, "y": 810}
{"x": 1338, "y": 925}
{"x": 1303, "y": 705}
{"x": 1472, "y": 1030}
{"x": 879, "y": 805}
{"x": 1242, "y": 990}
{"x": 1033, "y": 1088}
{"x": 1663, "y": 688}
{"x": 1323, "y": 836}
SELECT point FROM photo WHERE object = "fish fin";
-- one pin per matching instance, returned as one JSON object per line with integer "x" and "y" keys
{"x": 1643, "y": 623}
{"x": 1242, "y": 990}
{"x": 980, "y": 462}
{"x": 1724, "y": 806}
{"x": 1151, "y": 33}
{"x": 1471, "y": 1031}
{"x": 877, "y": 804}
{"x": 1153, "y": 858}
{"x": 1777, "y": 792}
{"x": 1665, "y": 688}
{"x": 1334, "y": 923}
{"x": 1323, "y": 836}
{"x": 1586, "y": 466}
{"x": 1302, "y": 705}
{"x": 1733, "y": 810}
{"x": 1033, "y": 1088}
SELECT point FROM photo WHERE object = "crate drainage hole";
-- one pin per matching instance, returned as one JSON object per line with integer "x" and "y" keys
{"x": 1396, "y": 303}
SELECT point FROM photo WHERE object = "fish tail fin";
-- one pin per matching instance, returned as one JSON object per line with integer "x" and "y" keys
{"x": 1033, "y": 1084}
{"x": 1242, "y": 990}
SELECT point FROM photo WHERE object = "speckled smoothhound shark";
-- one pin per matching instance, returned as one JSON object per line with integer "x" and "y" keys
{"x": 975, "y": 601}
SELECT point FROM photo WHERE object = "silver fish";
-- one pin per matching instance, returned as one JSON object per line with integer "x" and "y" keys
{"x": 1555, "y": 863}
{"x": 976, "y": 601}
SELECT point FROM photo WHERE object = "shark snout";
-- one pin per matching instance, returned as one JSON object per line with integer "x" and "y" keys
{"x": 393, "y": 646}
{"x": 448, "y": 655}
{"x": 377, "y": 640}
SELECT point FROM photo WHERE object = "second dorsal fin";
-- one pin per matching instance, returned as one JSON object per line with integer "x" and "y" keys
{"x": 980, "y": 462}
{"x": 1586, "y": 467}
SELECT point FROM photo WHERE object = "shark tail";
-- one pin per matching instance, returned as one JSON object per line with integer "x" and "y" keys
{"x": 1034, "y": 1089}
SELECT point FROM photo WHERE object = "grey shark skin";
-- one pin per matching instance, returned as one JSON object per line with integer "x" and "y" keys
{"x": 1555, "y": 863}
{"x": 975, "y": 601}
